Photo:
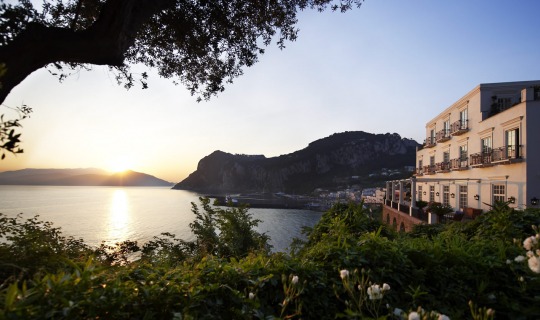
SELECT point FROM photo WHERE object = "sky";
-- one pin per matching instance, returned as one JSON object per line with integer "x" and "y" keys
{"x": 388, "y": 67}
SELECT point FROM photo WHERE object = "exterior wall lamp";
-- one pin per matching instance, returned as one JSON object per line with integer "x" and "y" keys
{"x": 453, "y": 195}
{"x": 424, "y": 193}
{"x": 512, "y": 200}
{"x": 437, "y": 194}
{"x": 476, "y": 197}
{"x": 534, "y": 201}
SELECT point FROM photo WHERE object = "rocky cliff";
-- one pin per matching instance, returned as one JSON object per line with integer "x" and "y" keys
{"x": 324, "y": 163}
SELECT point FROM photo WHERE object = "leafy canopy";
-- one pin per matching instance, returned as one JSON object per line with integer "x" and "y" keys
{"x": 202, "y": 44}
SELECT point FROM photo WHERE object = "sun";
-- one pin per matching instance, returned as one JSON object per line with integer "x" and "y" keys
{"x": 120, "y": 164}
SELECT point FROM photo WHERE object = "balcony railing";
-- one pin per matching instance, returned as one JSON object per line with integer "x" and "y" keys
{"x": 502, "y": 155}
{"x": 507, "y": 154}
{"x": 419, "y": 171}
{"x": 443, "y": 135}
{"x": 442, "y": 167}
{"x": 481, "y": 159}
{"x": 459, "y": 127}
{"x": 429, "y": 169}
{"x": 459, "y": 164}
{"x": 429, "y": 143}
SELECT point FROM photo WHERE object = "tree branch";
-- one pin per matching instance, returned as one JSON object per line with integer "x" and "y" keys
{"x": 103, "y": 43}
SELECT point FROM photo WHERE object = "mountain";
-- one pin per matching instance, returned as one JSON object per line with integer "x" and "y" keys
{"x": 79, "y": 177}
{"x": 343, "y": 158}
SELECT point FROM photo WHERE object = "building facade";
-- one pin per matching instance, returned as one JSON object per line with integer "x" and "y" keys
{"x": 484, "y": 148}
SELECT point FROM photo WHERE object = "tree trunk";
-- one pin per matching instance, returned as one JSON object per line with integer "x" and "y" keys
{"x": 103, "y": 43}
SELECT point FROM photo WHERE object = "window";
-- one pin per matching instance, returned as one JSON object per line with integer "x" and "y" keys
{"x": 463, "y": 197}
{"x": 445, "y": 193}
{"x": 504, "y": 103}
{"x": 463, "y": 155}
{"x": 511, "y": 138}
{"x": 446, "y": 126}
{"x": 431, "y": 193}
{"x": 420, "y": 164}
{"x": 446, "y": 157}
{"x": 432, "y": 136}
{"x": 463, "y": 152}
{"x": 419, "y": 193}
{"x": 486, "y": 145}
{"x": 498, "y": 192}
{"x": 463, "y": 117}
{"x": 432, "y": 160}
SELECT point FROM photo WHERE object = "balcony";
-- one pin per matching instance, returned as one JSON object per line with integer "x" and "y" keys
{"x": 429, "y": 170}
{"x": 443, "y": 135}
{"x": 442, "y": 167}
{"x": 429, "y": 143}
{"x": 459, "y": 127}
{"x": 507, "y": 155}
{"x": 419, "y": 171}
{"x": 502, "y": 155}
{"x": 481, "y": 159}
{"x": 459, "y": 164}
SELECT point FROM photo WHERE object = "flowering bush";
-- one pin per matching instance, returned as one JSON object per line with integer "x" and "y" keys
{"x": 363, "y": 296}
{"x": 533, "y": 251}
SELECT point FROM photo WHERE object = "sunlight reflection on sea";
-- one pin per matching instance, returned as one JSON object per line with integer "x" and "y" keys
{"x": 113, "y": 214}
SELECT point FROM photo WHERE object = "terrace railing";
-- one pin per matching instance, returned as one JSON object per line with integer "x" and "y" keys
{"x": 481, "y": 159}
{"x": 459, "y": 127}
{"x": 442, "y": 167}
{"x": 429, "y": 169}
{"x": 507, "y": 154}
{"x": 459, "y": 164}
{"x": 443, "y": 135}
{"x": 429, "y": 143}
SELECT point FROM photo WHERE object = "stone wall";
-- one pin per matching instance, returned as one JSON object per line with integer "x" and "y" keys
{"x": 398, "y": 220}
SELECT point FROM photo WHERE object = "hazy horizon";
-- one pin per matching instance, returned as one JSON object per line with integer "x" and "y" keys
{"x": 388, "y": 67}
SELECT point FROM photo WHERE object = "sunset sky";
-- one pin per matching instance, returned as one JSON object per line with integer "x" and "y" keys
{"x": 389, "y": 66}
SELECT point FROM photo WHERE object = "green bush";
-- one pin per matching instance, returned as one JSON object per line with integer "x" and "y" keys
{"x": 462, "y": 269}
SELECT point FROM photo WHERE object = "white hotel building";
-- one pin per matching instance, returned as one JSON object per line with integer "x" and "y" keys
{"x": 483, "y": 148}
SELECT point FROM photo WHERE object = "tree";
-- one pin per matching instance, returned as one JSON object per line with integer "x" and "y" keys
{"x": 202, "y": 44}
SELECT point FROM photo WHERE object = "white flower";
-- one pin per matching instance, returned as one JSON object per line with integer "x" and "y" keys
{"x": 530, "y": 254}
{"x": 294, "y": 280}
{"x": 530, "y": 242}
{"x": 385, "y": 287}
{"x": 519, "y": 258}
{"x": 508, "y": 261}
{"x": 398, "y": 312}
{"x": 443, "y": 317}
{"x": 374, "y": 292}
{"x": 534, "y": 264}
{"x": 344, "y": 273}
{"x": 251, "y": 296}
{"x": 521, "y": 279}
{"x": 414, "y": 316}
{"x": 490, "y": 312}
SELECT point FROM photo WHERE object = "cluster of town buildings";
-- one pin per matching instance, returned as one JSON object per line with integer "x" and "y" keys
{"x": 480, "y": 150}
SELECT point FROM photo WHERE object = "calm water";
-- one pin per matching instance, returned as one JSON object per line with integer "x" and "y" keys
{"x": 115, "y": 214}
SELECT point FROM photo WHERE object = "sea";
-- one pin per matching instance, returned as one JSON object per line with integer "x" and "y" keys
{"x": 116, "y": 214}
